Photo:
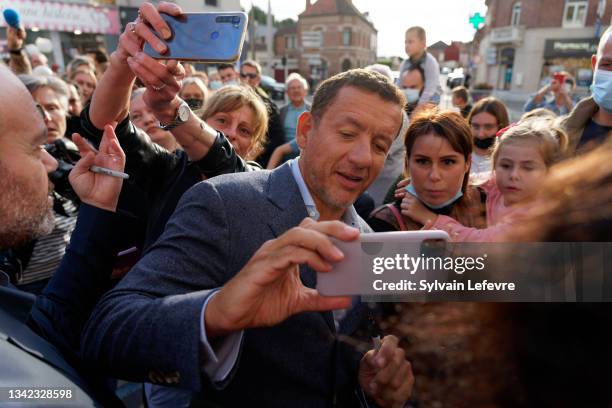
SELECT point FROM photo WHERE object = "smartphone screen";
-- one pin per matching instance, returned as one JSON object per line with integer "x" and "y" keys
{"x": 204, "y": 37}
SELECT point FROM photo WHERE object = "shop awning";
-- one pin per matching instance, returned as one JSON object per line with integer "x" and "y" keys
{"x": 53, "y": 16}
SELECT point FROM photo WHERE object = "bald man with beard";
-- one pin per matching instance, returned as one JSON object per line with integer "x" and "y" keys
{"x": 40, "y": 336}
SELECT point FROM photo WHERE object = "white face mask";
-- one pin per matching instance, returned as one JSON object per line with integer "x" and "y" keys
{"x": 412, "y": 95}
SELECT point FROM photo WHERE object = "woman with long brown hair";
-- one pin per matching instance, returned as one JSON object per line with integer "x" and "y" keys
{"x": 438, "y": 157}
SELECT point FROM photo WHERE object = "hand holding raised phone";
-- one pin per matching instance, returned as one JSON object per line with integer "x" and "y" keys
{"x": 203, "y": 37}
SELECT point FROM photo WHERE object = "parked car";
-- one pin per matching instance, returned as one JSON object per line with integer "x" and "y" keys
{"x": 275, "y": 90}
{"x": 455, "y": 78}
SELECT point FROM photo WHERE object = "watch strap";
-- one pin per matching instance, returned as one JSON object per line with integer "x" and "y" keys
{"x": 176, "y": 121}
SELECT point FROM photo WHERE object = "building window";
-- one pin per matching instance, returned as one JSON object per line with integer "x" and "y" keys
{"x": 210, "y": 3}
{"x": 346, "y": 64}
{"x": 290, "y": 42}
{"x": 516, "y": 14}
{"x": 575, "y": 13}
{"x": 346, "y": 36}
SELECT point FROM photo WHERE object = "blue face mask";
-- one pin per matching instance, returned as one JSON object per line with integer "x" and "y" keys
{"x": 214, "y": 85}
{"x": 410, "y": 189}
{"x": 602, "y": 89}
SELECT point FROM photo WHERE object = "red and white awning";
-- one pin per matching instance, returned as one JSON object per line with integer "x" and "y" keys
{"x": 72, "y": 17}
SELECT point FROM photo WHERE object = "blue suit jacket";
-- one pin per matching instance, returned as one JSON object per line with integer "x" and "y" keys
{"x": 150, "y": 323}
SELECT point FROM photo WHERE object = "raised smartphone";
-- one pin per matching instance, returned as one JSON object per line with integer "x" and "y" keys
{"x": 351, "y": 276}
{"x": 204, "y": 37}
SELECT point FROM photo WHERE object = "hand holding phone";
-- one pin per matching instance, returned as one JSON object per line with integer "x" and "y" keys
{"x": 203, "y": 37}
{"x": 354, "y": 274}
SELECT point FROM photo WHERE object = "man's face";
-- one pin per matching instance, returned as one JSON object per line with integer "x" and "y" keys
{"x": 555, "y": 85}
{"x": 296, "y": 92}
{"x": 25, "y": 204}
{"x": 142, "y": 116}
{"x": 38, "y": 60}
{"x": 86, "y": 83}
{"x": 250, "y": 76}
{"x": 412, "y": 80}
{"x": 227, "y": 74}
{"x": 603, "y": 60}
{"x": 457, "y": 101}
{"x": 344, "y": 152}
{"x": 55, "y": 112}
{"x": 74, "y": 101}
{"x": 414, "y": 45}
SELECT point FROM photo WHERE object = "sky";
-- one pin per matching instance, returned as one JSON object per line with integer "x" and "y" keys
{"x": 444, "y": 20}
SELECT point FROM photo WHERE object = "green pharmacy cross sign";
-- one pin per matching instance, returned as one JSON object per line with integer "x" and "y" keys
{"x": 476, "y": 20}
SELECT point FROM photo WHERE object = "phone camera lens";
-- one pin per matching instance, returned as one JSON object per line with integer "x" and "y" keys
{"x": 214, "y": 35}
{"x": 236, "y": 20}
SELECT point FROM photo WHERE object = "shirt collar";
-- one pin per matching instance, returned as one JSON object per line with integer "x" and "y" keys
{"x": 349, "y": 217}
{"x": 301, "y": 107}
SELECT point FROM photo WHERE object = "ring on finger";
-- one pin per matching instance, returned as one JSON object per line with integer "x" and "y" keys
{"x": 132, "y": 27}
{"x": 158, "y": 88}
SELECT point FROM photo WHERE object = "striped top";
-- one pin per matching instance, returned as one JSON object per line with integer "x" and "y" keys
{"x": 49, "y": 250}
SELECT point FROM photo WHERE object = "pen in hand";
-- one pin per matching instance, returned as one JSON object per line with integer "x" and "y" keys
{"x": 108, "y": 172}
{"x": 376, "y": 342}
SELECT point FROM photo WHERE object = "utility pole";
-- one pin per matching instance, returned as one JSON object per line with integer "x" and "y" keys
{"x": 252, "y": 32}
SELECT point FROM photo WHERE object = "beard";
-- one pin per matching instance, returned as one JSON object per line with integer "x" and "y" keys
{"x": 24, "y": 213}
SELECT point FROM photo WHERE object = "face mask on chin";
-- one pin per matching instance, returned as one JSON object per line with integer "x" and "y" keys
{"x": 410, "y": 189}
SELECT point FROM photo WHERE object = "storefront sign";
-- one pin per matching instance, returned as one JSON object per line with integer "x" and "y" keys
{"x": 312, "y": 39}
{"x": 52, "y": 16}
{"x": 570, "y": 48}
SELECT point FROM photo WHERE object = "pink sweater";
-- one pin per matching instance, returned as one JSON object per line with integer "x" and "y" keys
{"x": 499, "y": 219}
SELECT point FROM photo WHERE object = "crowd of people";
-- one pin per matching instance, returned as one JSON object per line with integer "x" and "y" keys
{"x": 194, "y": 270}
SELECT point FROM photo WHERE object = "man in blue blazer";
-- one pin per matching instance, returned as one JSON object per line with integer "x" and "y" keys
{"x": 168, "y": 322}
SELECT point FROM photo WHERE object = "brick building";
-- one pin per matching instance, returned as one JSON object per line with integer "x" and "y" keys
{"x": 331, "y": 36}
{"x": 286, "y": 45}
{"x": 524, "y": 41}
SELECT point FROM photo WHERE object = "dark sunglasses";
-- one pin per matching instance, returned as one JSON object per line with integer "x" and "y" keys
{"x": 250, "y": 76}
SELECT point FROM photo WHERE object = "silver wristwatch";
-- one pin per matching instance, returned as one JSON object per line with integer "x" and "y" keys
{"x": 182, "y": 116}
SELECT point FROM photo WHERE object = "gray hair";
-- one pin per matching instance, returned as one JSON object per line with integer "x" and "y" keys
{"x": 36, "y": 82}
{"x": 81, "y": 60}
{"x": 294, "y": 76}
{"x": 137, "y": 92}
{"x": 381, "y": 69}
{"x": 197, "y": 81}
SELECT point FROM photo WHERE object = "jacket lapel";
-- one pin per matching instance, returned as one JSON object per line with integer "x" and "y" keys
{"x": 283, "y": 192}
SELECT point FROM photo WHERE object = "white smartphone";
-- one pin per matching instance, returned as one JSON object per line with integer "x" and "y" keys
{"x": 352, "y": 275}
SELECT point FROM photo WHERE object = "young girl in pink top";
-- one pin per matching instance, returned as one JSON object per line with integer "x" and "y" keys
{"x": 521, "y": 159}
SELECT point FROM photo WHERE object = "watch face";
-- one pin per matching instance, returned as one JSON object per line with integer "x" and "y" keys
{"x": 183, "y": 112}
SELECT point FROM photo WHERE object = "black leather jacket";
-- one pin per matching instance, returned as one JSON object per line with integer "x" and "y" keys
{"x": 158, "y": 178}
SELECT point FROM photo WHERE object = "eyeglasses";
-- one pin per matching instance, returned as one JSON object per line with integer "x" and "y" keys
{"x": 250, "y": 76}
{"x": 42, "y": 111}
